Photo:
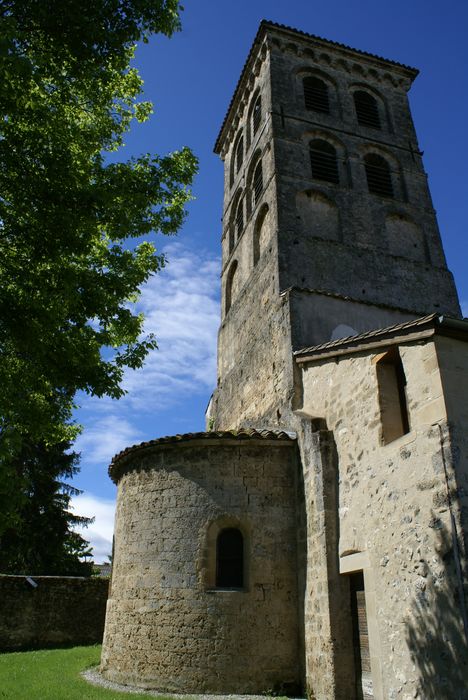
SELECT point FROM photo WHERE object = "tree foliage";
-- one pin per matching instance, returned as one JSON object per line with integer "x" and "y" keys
{"x": 74, "y": 226}
{"x": 42, "y": 539}
{"x": 68, "y": 271}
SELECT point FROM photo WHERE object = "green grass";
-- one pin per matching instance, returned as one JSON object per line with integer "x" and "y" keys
{"x": 54, "y": 674}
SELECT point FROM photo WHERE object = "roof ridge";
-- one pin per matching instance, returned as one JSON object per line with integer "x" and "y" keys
{"x": 278, "y": 25}
{"x": 375, "y": 333}
{"x": 241, "y": 434}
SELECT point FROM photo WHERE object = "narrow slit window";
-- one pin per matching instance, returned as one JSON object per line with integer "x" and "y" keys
{"x": 239, "y": 219}
{"x": 257, "y": 183}
{"x": 391, "y": 382}
{"x": 232, "y": 238}
{"x": 230, "y": 286}
{"x": 239, "y": 154}
{"x": 230, "y": 559}
{"x": 367, "y": 109}
{"x": 379, "y": 177}
{"x": 324, "y": 162}
{"x": 316, "y": 95}
{"x": 257, "y": 114}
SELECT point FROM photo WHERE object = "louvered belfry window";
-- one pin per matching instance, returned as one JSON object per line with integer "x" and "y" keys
{"x": 367, "y": 109}
{"x": 239, "y": 218}
{"x": 379, "y": 177}
{"x": 257, "y": 114}
{"x": 324, "y": 162}
{"x": 258, "y": 183}
{"x": 239, "y": 153}
{"x": 316, "y": 95}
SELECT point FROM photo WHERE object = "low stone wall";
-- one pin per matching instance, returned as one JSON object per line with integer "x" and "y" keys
{"x": 57, "y": 611}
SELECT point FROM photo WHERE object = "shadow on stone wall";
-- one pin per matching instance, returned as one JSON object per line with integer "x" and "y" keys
{"x": 435, "y": 629}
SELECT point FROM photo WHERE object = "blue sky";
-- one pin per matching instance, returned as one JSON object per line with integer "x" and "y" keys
{"x": 190, "y": 79}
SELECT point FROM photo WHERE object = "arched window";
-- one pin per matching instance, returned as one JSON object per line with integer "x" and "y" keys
{"x": 256, "y": 114}
{"x": 379, "y": 178}
{"x": 239, "y": 218}
{"x": 367, "y": 109}
{"x": 316, "y": 95}
{"x": 323, "y": 162}
{"x": 257, "y": 183}
{"x": 259, "y": 234}
{"x": 232, "y": 238}
{"x": 229, "y": 292}
{"x": 230, "y": 559}
{"x": 391, "y": 382}
{"x": 239, "y": 156}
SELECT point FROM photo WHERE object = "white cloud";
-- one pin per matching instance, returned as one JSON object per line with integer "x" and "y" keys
{"x": 181, "y": 308}
{"x": 99, "y": 533}
{"x": 104, "y": 436}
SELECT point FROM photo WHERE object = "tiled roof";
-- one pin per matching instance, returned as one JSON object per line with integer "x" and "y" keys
{"x": 381, "y": 334}
{"x": 267, "y": 24}
{"x": 241, "y": 435}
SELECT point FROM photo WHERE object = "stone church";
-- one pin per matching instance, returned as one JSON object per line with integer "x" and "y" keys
{"x": 314, "y": 539}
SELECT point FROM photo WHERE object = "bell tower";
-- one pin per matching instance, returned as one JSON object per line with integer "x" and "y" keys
{"x": 328, "y": 223}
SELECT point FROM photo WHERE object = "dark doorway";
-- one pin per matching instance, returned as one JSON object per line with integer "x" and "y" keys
{"x": 364, "y": 690}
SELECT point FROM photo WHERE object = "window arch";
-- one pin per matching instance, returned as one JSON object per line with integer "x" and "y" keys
{"x": 379, "y": 177}
{"x": 259, "y": 234}
{"x": 256, "y": 115}
{"x": 239, "y": 218}
{"x": 236, "y": 219}
{"x": 230, "y": 558}
{"x": 230, "y": 286}
{"x": 323, "y": 161}
{"x": 237, "y": 157}
{"x": 316, "y": 94}
{"x": 367, "y": 109}
{"x": 257, "y": 183}
{"x": 232, "y": 238}
{"x": 239, "y": 154}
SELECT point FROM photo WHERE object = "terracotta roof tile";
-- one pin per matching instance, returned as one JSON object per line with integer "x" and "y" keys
{"x": 361, "y": 338}
{"x": 241, "y": 435}
{"x": 445, "y": 325}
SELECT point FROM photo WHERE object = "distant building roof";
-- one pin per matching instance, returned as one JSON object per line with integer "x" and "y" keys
{"x": 267, "y": 24}
{"x": 410, "y": 330}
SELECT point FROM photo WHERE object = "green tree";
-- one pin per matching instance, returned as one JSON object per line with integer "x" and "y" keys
{"x": 42, "y": 540}
{"x": 74, "y": 226}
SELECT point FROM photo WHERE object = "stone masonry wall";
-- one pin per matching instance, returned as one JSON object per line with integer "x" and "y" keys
{"x": 340, "y": 237}
{"x": 168, "y": 626}
{"x": 393, "y": 510}
{"x": 453, "y": 362}
{"x": 59, "y": 611}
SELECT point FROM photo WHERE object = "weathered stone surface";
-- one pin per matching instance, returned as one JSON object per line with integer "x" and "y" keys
{"x": 403, "y": 505}
{"x": 168, "y": 626}
{"x": 60, "y": 610}
{"x": 379, "y": 483}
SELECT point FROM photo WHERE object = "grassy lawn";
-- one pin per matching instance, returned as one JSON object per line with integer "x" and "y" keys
{"x": 54, "y": 674}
